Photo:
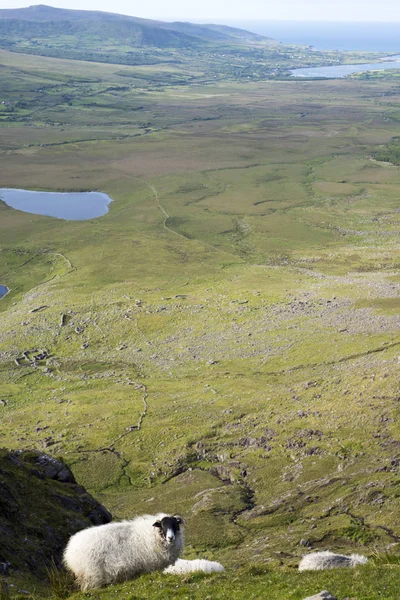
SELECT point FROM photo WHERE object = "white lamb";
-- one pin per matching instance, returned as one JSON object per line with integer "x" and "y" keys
{"x": 116, "y": 552}
{"x": 318, "y": 561}
{"x": 182, "y": 567}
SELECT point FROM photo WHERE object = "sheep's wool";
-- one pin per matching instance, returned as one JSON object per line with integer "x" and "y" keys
{"x": 116, "y": 552}
{"x": 181, "y": 567}
{"x": 318, "y": 561}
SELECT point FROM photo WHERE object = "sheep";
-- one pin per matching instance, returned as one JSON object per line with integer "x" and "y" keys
{"x": 182, "y": 567}
{"x": 115, "y": 552}
{"x": 318, "y": 561}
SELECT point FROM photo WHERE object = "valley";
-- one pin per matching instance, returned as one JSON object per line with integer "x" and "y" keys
{"x": 224, "y": 342}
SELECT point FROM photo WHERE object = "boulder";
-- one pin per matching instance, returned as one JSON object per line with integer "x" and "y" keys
{"x": 324, "y": 595}
{"x": 41, "y": 506}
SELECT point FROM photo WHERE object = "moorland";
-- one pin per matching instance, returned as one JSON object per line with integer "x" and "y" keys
{"x": 224, "y": 342}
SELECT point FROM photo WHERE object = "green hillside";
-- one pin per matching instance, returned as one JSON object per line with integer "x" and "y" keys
{"x": 224, "y": 342}
{"x": 40, "y": 25}
{"x": 121, "y": 24}
{"x": 201, "y": 53}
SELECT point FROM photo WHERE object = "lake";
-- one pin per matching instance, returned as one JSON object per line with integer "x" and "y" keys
{"x": 343, "y": 70}
{"x": 3, "y": 290}
{"x": 71, "y": 206}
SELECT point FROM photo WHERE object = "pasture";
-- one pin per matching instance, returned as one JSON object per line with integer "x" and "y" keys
{"x": 224, "y": 343}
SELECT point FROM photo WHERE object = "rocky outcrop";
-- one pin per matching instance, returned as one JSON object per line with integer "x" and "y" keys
{"x": 41, "y": 506}
{"x": 324, "y": 595}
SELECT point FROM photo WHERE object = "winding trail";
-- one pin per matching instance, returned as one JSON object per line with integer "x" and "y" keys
{"x": 180, "y": 235}
{"x": 71, "y": 266}
{"x": 161, "y": 209}
{"x": 329, "y": 363}
{"x": 128, "y": 430}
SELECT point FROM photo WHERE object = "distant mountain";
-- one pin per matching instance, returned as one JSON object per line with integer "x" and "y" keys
{"x": 43, "y": 22}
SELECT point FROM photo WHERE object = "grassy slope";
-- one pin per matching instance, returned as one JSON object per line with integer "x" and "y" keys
{"x": 229, "y": 346}
{"x": 365, "y": 583}
{"x": 193, "y": 52}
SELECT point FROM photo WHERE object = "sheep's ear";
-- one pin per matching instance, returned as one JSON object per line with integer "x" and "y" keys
{"x": 180, "y": 519}
{"x": 157, "y": 524}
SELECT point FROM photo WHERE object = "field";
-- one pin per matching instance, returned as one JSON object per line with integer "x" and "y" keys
{"x": 224, "y": 343}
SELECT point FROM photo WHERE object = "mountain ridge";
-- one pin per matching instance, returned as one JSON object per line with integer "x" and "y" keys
{"x": 138, "y": 31}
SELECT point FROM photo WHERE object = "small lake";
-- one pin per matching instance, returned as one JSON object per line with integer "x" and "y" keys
{"x": 343, "y": 70}
{"x": 3, "y": 290}
{"x": 72, "y": 206}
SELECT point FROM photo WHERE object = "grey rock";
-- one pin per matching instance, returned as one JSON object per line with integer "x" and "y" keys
{"x": 54, "y": 469}
{"x": 324, "y": 595}
{"x": 100, "y": 515}
{"x": 38, "y": 494}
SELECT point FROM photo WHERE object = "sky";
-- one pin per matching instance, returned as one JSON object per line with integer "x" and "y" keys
{"x": 234, "y": 10}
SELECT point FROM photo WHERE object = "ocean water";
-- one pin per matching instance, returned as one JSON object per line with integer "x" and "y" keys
{"x": 371, "y": 37}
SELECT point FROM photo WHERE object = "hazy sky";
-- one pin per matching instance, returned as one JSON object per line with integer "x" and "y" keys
{"x": 226, "y": 10}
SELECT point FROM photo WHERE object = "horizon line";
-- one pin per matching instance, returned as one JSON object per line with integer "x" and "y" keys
{"x": 202, "y": 19}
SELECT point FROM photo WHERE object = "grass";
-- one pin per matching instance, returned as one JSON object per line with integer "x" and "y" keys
{"x": 366, "y": 583}
{"x": 230, "y": 327}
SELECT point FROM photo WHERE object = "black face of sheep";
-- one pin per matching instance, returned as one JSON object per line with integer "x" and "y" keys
{"x": 168, "y": 527}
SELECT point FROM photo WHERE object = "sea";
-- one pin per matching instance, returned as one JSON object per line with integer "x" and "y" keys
{"x": 322, "y": 35}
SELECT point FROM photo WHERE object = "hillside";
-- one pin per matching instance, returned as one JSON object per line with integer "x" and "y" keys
{"x": 41, "y": 506}
{"x": 113, "y": 25}
{"x": 42, "y": 24}
{"x": 200, "y": 53}
{"x": 224, "y": 342}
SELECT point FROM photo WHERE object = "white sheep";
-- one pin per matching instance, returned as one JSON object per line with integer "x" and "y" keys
{"x": 182, "y": 567}
{"x": 318, "y": 561}
{"x": 116, "y": 552}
